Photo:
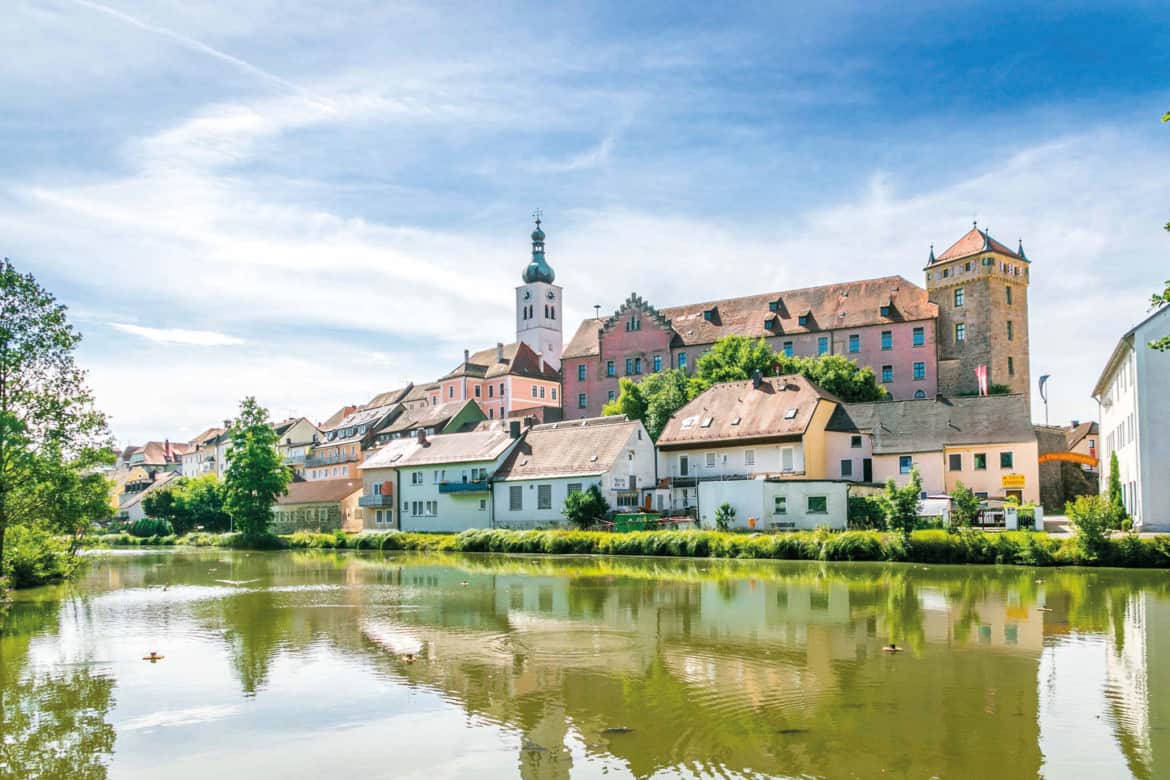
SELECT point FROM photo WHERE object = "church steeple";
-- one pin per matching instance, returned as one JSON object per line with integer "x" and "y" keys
{"x": 538, "y": 270}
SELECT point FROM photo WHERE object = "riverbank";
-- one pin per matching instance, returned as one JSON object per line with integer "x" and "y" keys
{"x": 930, "y": 546}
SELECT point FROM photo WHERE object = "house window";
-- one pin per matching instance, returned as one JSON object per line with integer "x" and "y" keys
{"x": 610, "y": 368}
{"x": 554, "y": 394}
{"x": 887, "y": 339}
{"x": 657, "y": 363}
{"x": 960, "y": 331}
{"x": 637, "y": 365}
{"x": 788, "y": 349}
{"x": 887, "y": 373}
{"x": 855, "y": 343}
{"x": 1008, "y": 293}
{"x": 682, "y": 360}
{"x": 710, "y": 459}
{"x": 919, "y": 336}
{"x": 544, "y": 496}
{"x": 451, "y": 391}
{"x": 573, "y": 487}
{"x": 818, "y": 505}
{"x": 515, "y": 498}
{"x": 534, "y": 391}
{"x": 803, "y": 320}
{"x": 780, "y": 505}
{"x": 581, "y": 373}
{"x": 477, "y": 391}
{"x": 416, "y": 478}
{"x": 749, "y": 458}
{"x": 905, "y": 464}
{"x": 491, "y": 414}
{"x": 920, "y": 371}
{"x": 787, "y": 459}
{"x": 981, "y": 461}
{"x": 884, "y": 311}
{"x": 492, "y": 389}
{"x": 846, "y": 469}
{"x": 627, "y": 500}
{"x": 855, "y": 442}
{"x": 501, "y": 389}
{"x": 773, "y": 305}
{"x": 1010, "y": 331}
{"x": 955, "y": 461}
{"x": 1005, "y": 460}
{"x": 432, "y": 508}
{"x": 1011, "y": 366}
{"x": 482, "y": 504}
{"x": 960, "y": 295}
{"x": 629, "y": 366}
{"x": 542, "y": 391}
{"x": 967, "y": 266}
{"x": 613, "y": 395}
{"x": 582, "y": 400}
{"x": 822, "y": 345}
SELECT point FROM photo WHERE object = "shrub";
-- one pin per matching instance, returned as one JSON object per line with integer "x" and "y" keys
{"x": 584, "y": 508}
{"x": 1092, "y": 517}
{"x": 150, "y": 526}
{"x": 901, "y": 504}
{"x": 724, "y": 516}
{"x": 964, "y": 506}
{"x": 866, "y": 513}
{"x": 852, "y": 546}
{"x": 33, "y": 557}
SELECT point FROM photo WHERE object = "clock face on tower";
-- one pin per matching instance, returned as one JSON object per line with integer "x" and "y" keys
{"x": 552, "y": 296}
{"x": 527, "y": 294}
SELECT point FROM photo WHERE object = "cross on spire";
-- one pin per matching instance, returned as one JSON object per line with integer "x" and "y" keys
{"x": 537, "y": 214}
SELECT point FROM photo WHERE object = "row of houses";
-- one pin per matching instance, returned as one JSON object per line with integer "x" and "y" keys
{"x": 780, "y": 450}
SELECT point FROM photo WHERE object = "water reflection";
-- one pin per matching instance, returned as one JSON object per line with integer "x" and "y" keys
{"x": 562, "y": 668}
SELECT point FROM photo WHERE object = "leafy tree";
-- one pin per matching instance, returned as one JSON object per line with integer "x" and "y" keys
{"x": 47, "y": 417}
{"x": 836, "y": 374}
{"x": 734, "y": 359}
{"x": 584, "y": 508}
{"x": 658, "y": 396}
{"x": 1157, "y": 301}
{"x": 724, "y": 516}
{"x": 964, "y": 506}
{"x": 256, "y": 475}
{"x": 190, "y": 502}
{"x": 866, "y": 513}
{"x": 901, "y": 504}
{"x": 1116, "y": 502}
{"x": 1092, "y": 518}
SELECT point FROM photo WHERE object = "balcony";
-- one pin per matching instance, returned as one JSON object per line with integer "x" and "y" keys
{"x": 375, "y": 500}
{"x": 480, "y": 486}
{"x": 328, "y": 460}
{"x": 295, "y": 460}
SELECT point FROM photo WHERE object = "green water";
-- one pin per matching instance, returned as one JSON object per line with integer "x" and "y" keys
{"x": 441, "y": 666}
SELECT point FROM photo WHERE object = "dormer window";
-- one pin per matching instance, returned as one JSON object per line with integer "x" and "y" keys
{"x": 802, "y": 320}
{"x": 885, "y": 310}
{"x": 770, "y": 323}
{"x": 709, "y": 314}
{"x": 774, "y": 306}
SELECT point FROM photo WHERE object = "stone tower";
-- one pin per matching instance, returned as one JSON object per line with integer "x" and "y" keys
{"x": 981, "y": 289}
{"x": 539, "y": 309}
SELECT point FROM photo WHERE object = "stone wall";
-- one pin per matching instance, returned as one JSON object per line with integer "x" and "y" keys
{"x": 1061, "y": 482}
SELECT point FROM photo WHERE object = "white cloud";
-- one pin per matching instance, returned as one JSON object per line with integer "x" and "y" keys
{"x": 199, "y": 338}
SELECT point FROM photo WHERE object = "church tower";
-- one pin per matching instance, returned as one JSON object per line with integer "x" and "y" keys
{"x": 539, "y": 309}
{"x": 981, "y": 289}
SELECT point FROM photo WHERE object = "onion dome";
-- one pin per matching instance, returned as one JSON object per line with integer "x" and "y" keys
{"x": 538, "y": 270}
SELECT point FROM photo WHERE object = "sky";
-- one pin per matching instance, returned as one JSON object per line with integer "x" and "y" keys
{"x": 315, "y": 201}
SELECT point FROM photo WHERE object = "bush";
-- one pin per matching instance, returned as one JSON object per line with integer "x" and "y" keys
{"x": 866, "y": 513}
{"x": 584, "y": 508}
{"x": 724, "y": 516}
{"x": 1092, "y": 517}
{"x": 150, "y": 526}
{"x": 35, "y": 557}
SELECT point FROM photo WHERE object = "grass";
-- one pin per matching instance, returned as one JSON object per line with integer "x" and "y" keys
{"x": 926, "y": 546}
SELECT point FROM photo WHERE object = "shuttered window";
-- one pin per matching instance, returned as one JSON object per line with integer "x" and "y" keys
{"x": 544, "y": 496}
{"x": 515, "y": 498}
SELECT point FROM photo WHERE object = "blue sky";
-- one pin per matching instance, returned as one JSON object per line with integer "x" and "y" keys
{"x": 315, "y": 201}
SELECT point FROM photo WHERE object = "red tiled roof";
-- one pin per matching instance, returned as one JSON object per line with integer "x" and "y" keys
{"x": 584, "y": 341}
{"x": 518, "y": 359}
{"x": 319, "y": 491}
{"x": 564, "y": 449}
{"x": 780, "y": 407}
{"x": 973, "y": 242}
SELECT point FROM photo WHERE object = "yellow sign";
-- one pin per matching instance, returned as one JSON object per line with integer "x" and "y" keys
{"x": 1013, "y": 480}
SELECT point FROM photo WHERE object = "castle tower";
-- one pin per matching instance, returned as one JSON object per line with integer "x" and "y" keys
{"x": 981, "y": 289}
{"x": 539, "y": 310}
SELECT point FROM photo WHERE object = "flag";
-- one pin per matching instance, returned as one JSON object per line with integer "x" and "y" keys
{"x": 1044, "y": 388}
{"x": 981, "y": 377}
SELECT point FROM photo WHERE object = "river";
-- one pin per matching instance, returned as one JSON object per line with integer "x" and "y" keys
{"x": 318, "y": 664}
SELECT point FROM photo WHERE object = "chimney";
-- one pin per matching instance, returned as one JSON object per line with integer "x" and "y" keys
{"x": 1075, "y": 423}
{"x": 514, "y": 429}
{"x": 227, "y": 424}
{"x": 757, "y": 378}
{"x": 499, "y": 352}
{"x": 422, "y": 437}
{"x": 466, "y": 355}
{"x": 167, "y": 448}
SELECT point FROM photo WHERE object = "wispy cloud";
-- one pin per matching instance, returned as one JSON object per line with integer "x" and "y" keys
{"x": 197, "y": 338}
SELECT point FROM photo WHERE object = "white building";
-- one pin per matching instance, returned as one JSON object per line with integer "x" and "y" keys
{"x": 444, "y": 483}
{"x": 1134, "y": 402}
{"x": 296, "y": 437}
{"x": 556, "y": 459}
{"x": 378, "y": 502}
{"x": 769, "y": 504}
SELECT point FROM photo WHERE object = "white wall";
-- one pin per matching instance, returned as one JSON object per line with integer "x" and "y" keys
{"x": 731, "y": 460}
{"x": 1120, "y": 422}
{"x": 756, "y": 498}
{"x": 1151, "y": 482}
{"x": 455, "y": 511}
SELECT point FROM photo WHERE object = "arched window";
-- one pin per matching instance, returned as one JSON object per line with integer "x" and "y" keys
{"x": 920, "y": 394}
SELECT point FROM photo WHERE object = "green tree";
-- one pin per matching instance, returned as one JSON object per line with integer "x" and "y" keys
{"x": 1115, "y": 499}
{"x": 657, "y": 397}
{"x": 189, "y": 503}
{"x": 838, "y": 375}
{"x": 866, "y": 513}
{"x": 724, "y": 516}
{"x": 901, "y": 504}
{"x": 585, "y": 507}
{"x": 256, "y": 475}
{"x": 964, "y": 506}
{"x": 47, "y": 416}
{"x": 1157, "y": 301}
{"x": 1092, "y": 518}
{"x": 734, "y": 359}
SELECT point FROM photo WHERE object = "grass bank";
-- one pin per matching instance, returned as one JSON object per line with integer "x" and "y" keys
{"x": 931, "y": 546}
